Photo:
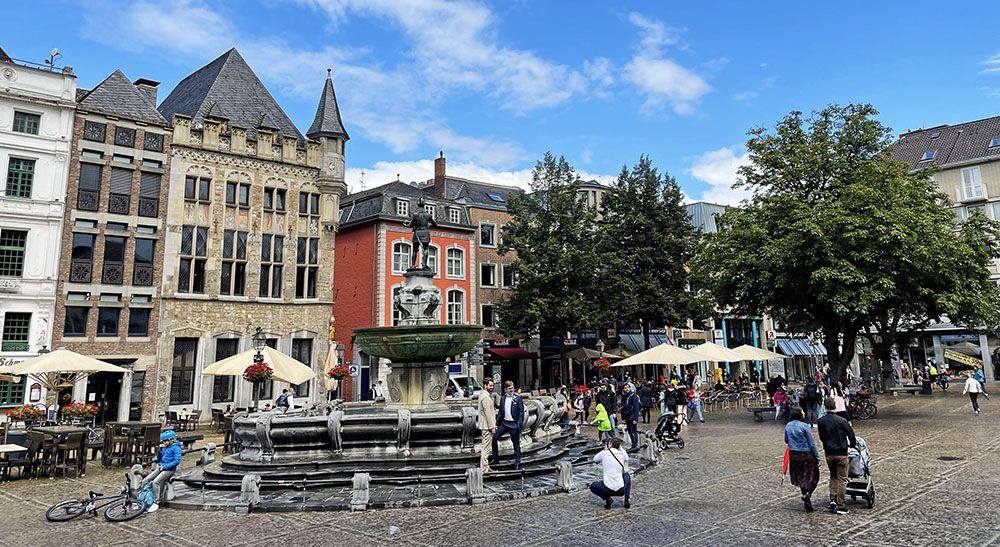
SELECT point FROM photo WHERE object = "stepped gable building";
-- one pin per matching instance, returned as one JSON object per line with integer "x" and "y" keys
{"x": 112, "y": 243}
{"x": 36, "y": 126}
{"x": 373, "y": 253}
{"x": 967, "y": 158}
{"x": 250, "y": 229}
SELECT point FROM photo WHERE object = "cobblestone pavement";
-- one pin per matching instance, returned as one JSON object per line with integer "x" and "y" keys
{"x": 722, "y": 489}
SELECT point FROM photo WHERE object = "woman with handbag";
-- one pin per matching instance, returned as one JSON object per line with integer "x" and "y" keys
{"x": 614, "y": 466}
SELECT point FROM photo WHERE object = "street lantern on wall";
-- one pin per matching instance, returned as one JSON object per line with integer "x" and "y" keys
{"x": 258, "y": 345}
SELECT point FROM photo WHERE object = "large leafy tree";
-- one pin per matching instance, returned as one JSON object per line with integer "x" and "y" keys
{"x": 552, "y": 233}
{"x": 840, "y": 239}
{"x": 645, "y": 243}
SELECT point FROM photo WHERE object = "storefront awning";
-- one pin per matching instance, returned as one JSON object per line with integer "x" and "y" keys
{"x": 634, "y": 342}
{"x": 511, "y": 353}
{"x": 797, "y": 347}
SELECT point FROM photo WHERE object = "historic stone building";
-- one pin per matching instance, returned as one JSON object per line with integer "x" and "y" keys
{"x": 250, "y": 228}
{"x": 36, "y": 125}
{"x": 107, "y": 303}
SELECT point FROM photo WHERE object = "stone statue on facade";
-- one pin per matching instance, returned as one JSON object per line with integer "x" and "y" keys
{"x": 421, "y": 222}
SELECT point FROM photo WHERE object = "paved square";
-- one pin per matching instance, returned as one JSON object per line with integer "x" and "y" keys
{"x": 721, "y": 489}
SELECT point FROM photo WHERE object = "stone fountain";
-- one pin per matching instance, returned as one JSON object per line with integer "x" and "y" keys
{"x": 417, "y": 442}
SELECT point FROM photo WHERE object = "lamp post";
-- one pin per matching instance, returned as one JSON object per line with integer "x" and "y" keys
{"x": 258, "y": 346}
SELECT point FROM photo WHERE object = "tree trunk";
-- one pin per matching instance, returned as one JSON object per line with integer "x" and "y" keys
{"x": 839, "y": 356}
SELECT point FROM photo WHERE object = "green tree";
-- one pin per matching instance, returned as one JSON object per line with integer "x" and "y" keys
{"x": 838, "y": 238}
{"x": 645, "y": 243}
{"x": 552, "y": 233}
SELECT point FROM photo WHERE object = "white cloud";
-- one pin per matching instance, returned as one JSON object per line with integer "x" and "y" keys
{"x": 718, "y": 169}
{"x": 663, "y": 81}
{"x": 422, "y": 170}
{"x": 749, "y": 95}
{"x": 992, "y": 65}
{"x": 599, "y": 70}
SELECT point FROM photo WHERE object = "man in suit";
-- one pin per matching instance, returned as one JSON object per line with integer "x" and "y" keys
{"x": 509, "y": 417}
{"x": 487, "y": 423}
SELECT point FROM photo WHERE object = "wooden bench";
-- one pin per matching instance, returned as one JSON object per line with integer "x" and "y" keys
{"x": 758, "y": 412}
{"x": 187, "y": 440}
{"x": 912, "y": 390}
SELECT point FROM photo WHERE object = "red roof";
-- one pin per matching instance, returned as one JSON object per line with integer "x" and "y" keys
{"x": 511, "y": 353}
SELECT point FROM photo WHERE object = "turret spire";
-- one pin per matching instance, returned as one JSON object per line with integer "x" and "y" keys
{"x": 327, "y": 122}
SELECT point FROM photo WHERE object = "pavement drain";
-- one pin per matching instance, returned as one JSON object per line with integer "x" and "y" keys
{"x": 950, "y": 458}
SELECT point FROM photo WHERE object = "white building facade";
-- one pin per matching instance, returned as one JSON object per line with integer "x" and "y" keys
{"x": 36, "y": 125}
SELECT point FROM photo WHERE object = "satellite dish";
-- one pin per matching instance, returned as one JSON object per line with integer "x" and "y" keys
{"x": 55, "y": 51}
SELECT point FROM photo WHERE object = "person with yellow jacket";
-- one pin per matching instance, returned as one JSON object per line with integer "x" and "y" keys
{"x": 604, "y": 431}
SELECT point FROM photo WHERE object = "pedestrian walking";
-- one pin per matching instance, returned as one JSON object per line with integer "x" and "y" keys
{"x": 837, "y": 436}
{"x": 808, "y": 400}
{"x": 973, "y": 388}
{"x": 586, "y": 405}
{"x": 646, "y": 401}
{"x": 840, "y": 403}
{"x": 616, "y": 479}
{"x": 509, "y": 418}
{"x": 803, "y": 457}
{"x": 630, "y": 414}
{"x": 603, "y": 423}
{"x": 694, "y": 402}
{"x": 486, "y": 421}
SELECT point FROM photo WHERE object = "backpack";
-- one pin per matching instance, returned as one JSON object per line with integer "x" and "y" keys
{"x": 282, "y": 400}
{"x": 810, "y": 393}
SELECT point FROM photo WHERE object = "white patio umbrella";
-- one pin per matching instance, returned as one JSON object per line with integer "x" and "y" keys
{"x": 710, "y": 351}
{"x": 286, "y": 369}
{"x": 751, "y": 353}
{"x": 59, "y": 368}
{"x": 664, "y": 354}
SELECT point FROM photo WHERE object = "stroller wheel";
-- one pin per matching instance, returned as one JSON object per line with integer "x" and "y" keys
{"x": 871, "y": 499}
{"x": 680, "y": 443}
{"x": 662, "y": 443}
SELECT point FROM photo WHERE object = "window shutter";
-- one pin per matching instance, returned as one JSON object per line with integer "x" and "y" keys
{"x": 149, "y": 185}
{"x": 121, "y": 181}
{"x": 90, "y": 176}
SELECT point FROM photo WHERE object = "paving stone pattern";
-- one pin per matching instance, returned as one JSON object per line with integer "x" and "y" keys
{"x": 721, "y": 489}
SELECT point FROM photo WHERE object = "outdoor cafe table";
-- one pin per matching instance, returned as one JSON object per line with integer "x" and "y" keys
{"x": 7, "y": 448}
{"x": 57, "y": 432}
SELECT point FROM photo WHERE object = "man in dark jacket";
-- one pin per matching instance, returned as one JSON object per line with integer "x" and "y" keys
{"x": 630, "y": 414}
{"x": 645, "y": 401}
{"x": 510, "y": 416}
{"x": 606, "y": 396}
{"x": 837, "y": 436}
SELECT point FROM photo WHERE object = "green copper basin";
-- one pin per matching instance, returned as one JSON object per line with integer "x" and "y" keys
{"x": 417, "y": 343}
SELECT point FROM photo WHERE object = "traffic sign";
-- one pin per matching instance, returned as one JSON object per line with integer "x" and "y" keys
{"x": 353, "y": 369}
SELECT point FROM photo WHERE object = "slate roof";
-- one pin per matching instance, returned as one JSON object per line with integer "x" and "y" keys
{"x": 953, "y": 143}
{"x": 117, "y": 96}
{"x": 4, "y": 57}
{"x": 81, "y": 93}
{"x": 327, "y": 122}
{"x": 228, "y": 88}
{"x": 378, "y": 202}
{"x": 475, "y": 193}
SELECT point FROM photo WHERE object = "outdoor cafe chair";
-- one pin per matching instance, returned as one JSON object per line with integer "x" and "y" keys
{"x": 26, "y": 462}
{"x": 71, "y": 454}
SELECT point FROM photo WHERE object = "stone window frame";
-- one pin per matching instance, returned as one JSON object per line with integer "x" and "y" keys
{"x": 124, "y": 136}
{"x": 20, "y": 179}
{"x": 405, "y": 256}
{"x": 16, "y": 333}
{"x": 482, "y": 315}
{"x": 228, "y": 383}
{"x": 13, "y": 246}
{"x": 30, "y": 122}
{"x": 503, "y": 276}
{"x": 235, "y": 261}
{"x": 493, "y": 231}
{"x": 128, "y": 328}
{"x": 454, "y": 215}
{"x": 194, "y": 258}
{"x": 66, "y": 321}
{"x": 461, "y": 262}
{"x": 305, "y": 388}
{"x": 395, "y": 316}
{"x": 306, "y": 268}
{"x": 274, "y": 268}
{"x": 95, "y": 131}
{"x": 449, "y": 305}
{"x": 271, "y": 193}
{"x": 117, "y": 312}
{"x": 496, "y": 277}
{"x": 435, "y": 263}
{"x": 402, "y": 207}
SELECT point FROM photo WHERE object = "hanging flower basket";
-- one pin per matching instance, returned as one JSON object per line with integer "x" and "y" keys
{"x": 26, "y": 412}
{"x": 601, "y": 364}
{"x": 79, "y": 409}
{"x": 338, "y": 372}
{"x": 258, "y": 372}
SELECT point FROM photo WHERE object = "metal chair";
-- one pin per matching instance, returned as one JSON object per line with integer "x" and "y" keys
{"x": 26, "y": 461}
{"x": 71, "y": 454}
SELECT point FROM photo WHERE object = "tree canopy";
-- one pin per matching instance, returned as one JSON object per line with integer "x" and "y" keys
{"x": 838, "y": 236}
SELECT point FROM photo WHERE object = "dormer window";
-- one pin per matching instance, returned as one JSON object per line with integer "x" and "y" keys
{"x": 935, "y": 134}
{"x": 454, "y": 215}
{"x": 929, "y": 155}
{"x": 431, "y": 210}
{"x": 402, "y": 208}
{"x": 995, "y": 142}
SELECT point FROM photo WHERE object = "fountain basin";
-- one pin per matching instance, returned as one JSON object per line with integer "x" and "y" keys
{"x": 417, "y": 343}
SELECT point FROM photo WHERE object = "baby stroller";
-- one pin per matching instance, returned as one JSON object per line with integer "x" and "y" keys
{"x": 859, "y": 476}
{"x": 667, "y": 431}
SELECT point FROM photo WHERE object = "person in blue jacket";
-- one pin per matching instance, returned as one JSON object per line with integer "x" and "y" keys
{"x": 803, "y": 457}
{"x": 630, "y": 414}
{"x": 510, "y": 417}
{"x": 167, "y": 460}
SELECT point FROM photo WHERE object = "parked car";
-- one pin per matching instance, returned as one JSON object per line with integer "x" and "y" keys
{"x": 463, "y": 387}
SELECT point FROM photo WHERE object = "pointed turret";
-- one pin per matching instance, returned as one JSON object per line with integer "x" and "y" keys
{"x": 327, "y": 122}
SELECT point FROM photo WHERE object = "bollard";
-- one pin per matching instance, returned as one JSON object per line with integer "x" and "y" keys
{"x": 207, "y": 455}
{"x": 250, "y": 490}
{"x": 474, "y": 485}
{"x": 564, "y": 476}
{"x": 359, "y": 500}
{"x": 649, "y": 451}
{"x": 135, "y": 478}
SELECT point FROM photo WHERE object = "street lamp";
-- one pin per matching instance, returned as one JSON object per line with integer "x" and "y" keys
{"x": 258, "y": 345}
{"x": 340, "y": 354}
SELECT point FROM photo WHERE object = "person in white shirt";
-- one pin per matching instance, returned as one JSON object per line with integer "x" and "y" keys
{"x": 973, "y": 388}
{"x": 291, "y": 401}
{"x": 617, "y": 481}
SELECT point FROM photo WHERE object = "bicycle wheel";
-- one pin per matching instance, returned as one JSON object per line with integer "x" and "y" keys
{"x": 66, "y": 510}
{"x": 870, "y": 410}
{"x": 126, "y": 509}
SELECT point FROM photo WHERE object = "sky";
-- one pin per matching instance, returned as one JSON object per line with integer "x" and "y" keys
{"x": 494, "y": 85}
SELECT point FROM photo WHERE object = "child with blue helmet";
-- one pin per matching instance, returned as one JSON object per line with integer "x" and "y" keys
{"x": 167, "y": 460}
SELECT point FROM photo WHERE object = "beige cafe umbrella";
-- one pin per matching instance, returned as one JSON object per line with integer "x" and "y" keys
{"x": 61, "y": 368}
{"x": 710, "y": 351}
{"x": 664, "y": 354}
{"x": 751, "y": 353}
{"x": 286, "y": 369}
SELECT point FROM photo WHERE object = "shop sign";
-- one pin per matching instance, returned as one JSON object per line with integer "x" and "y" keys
{"x": 959, "y": 337}
{"x": 8, "y": 361}
{"x": 10, "y": 285}
{"x": 502, "y": 343}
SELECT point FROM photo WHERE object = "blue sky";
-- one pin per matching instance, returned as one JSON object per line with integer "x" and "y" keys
{"x": 495, "y": 85}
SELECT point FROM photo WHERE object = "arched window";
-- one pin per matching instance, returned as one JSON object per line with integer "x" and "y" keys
{"x": 456, "y": 307}
{"x": 456, "y": 263}
{"x": 432, "y": 259}
{"x": 400, "y": 257}
{"x": 396, "y": 315}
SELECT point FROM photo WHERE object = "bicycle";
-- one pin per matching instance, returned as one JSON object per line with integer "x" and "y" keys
{"x": 117, "y": 508}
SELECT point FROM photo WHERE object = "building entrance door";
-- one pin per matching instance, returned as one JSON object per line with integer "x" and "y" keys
{"x": 104, "y": 389}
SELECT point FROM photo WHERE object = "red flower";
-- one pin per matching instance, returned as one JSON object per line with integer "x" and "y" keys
{"x": 339, "y": 371}
{"x": 25, "y": 412}
{"x": 601, "y": 364}
{"x": 258, "y": 372}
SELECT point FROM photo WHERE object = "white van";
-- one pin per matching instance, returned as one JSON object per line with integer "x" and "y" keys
{"x": 464, "y": 387}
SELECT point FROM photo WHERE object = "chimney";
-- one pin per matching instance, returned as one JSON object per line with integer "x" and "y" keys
{"x": 148, "y": 88}
{"x": 439, "y": 173}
